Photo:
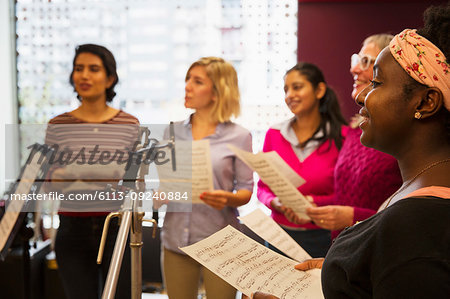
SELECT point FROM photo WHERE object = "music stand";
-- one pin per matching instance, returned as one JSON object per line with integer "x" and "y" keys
{"x": 131, "y": 219}
{"x": 13, "y": 219}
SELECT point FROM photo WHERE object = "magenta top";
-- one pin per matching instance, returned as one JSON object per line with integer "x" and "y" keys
{"x": 317, "y": 169}
{"x": 364, "y": 178}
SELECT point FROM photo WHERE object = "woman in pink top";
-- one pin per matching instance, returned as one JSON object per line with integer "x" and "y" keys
{"x": 364, "y": 177}
{"x": 309, "y": 142}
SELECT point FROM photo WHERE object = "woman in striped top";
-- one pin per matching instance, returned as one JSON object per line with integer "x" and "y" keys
{"x": 91, "y": 143}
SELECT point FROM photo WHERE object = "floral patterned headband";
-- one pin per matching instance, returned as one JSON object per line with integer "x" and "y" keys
{"x": 422, "y": 60}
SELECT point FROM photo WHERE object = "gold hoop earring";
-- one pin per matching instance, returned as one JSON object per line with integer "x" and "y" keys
{"x": 417, "y": 115}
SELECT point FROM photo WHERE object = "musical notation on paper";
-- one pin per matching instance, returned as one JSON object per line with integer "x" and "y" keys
{"x": 193, "y": 171}
{"x": 269, "y": 230}
{"x": 281, "y": 179}
{"x": 249, "y": 266}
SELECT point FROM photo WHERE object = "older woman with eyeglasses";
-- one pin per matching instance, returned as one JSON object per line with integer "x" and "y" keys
{"x": 362, "y": 63}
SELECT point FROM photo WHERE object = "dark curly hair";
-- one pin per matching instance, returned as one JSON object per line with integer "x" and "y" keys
{"x": 437, "y": 27}
{"x": 437, "y": 30}
{"x": 108, "y": 62}
{"x": 329, "y": 108}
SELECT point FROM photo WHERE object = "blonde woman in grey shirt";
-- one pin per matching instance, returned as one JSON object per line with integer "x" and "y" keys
{"x": 212, "y": 91}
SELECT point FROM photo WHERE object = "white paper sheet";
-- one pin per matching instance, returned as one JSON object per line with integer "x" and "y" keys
{"x": 269, "y": 230}
{"x": 284, "y": 168}
{"x": 202, "y": 176}
{"x": 249, "y": 266}
{"x": 15, "y": 206}
{"x": 277, "y": 181}
{"x": 193, "y": 171}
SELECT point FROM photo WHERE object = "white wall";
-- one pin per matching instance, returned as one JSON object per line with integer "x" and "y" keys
{"x": 8, "y": 108}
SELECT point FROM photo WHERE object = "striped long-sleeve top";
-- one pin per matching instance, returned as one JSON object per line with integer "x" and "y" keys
{"x": 93, "y": 155}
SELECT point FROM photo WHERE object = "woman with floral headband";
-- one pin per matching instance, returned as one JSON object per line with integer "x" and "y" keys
{"x": 403, "y": 251}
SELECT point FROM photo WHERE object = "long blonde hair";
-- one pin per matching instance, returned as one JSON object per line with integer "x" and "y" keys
{"x": 225, "y": 85}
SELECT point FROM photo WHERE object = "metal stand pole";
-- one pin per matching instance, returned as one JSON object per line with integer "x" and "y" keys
{"x": 116, "y": 261}
{"x": 136, "y": 253}
{"x": 136, "y": 265}
{"x": 130, "y": 221}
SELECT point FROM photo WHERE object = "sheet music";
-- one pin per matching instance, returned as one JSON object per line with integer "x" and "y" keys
{"x": 194, "y": 169}
{"x": 276, "y": 180}
{"x": 15, "y": 206}
{"x": 284, "y": 168}
{"x": 181, "y": 179}
{"x": 202, "y": 176}
{"x": 269, "y": 230}
{"x": 249, "y": 266}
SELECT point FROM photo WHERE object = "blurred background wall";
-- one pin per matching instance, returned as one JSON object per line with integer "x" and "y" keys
{"x": 329, "y": 32}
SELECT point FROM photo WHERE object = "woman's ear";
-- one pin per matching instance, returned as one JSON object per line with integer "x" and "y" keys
{"x": 430, "y": 103}
{"x": 214, "y": 93}
{"x": 109, "y": 81}
{"x": 321, "y": 90}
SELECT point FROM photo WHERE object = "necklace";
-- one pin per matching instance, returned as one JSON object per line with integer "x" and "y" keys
{"x": 428, "y": 167}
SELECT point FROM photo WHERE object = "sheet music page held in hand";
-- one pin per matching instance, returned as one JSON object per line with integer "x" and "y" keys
{"x": 194, "y": 170}
{"x": 269, "y": 230}
{"x": 202, "y": 176}
{"x": 249, "y": 266}
{"x": 281, "y": 182}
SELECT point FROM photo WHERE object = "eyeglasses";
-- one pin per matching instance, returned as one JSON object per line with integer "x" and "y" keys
{"x": 364, "y": 61}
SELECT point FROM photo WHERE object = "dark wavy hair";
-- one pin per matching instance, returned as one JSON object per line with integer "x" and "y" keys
{"x": 109, "y": 64}
{"x": 329, "y": 108}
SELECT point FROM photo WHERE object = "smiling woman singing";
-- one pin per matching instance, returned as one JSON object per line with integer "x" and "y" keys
{"x": 309, "y": 142}
{"x": 403, "y": 250}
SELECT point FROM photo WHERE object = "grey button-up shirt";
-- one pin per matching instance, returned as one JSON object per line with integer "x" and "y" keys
{"x": 230, "y": 174}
